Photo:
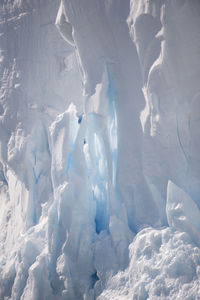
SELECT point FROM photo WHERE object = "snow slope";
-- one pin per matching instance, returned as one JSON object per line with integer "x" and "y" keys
{"x": 99, "y": 149}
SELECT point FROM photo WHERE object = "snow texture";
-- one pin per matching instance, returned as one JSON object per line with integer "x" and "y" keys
{"x": 99, "y": 149}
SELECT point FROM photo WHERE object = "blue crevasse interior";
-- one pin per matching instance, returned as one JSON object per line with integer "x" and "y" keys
{"x": 112, "y": 126}
{"x": 113, "y": 135}
{"x": 98, "y": 170}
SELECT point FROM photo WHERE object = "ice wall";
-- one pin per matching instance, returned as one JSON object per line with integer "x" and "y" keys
{"x": 99, "y": 149}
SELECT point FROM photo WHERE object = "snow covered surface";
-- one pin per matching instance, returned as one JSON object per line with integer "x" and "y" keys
{"x": 164, "y": 264}
{"x": 99, "y": 149}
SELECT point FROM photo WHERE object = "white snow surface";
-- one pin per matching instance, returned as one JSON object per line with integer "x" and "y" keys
{"x": 99, "y": 149}
{"x": 163, "y": 265}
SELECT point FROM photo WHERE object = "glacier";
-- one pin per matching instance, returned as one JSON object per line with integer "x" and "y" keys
{"x": 99, "y": 149}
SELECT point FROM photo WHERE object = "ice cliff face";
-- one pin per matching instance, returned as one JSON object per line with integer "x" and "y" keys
{"x": 99, "y": 149}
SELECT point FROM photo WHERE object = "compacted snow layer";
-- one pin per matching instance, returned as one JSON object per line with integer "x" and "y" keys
{"x": 99, "y": 149}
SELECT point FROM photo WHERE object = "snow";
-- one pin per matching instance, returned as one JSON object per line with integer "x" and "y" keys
{"x": 99, "y": 149}
{"x": 164, "y": 264}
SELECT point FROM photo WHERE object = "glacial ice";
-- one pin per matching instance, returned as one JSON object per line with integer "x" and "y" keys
{"x": 99, "y": 149}
{"x": 182, "y": 212}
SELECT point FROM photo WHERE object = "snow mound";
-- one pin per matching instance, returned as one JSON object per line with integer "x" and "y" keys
{"x": 164, "y": 264}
